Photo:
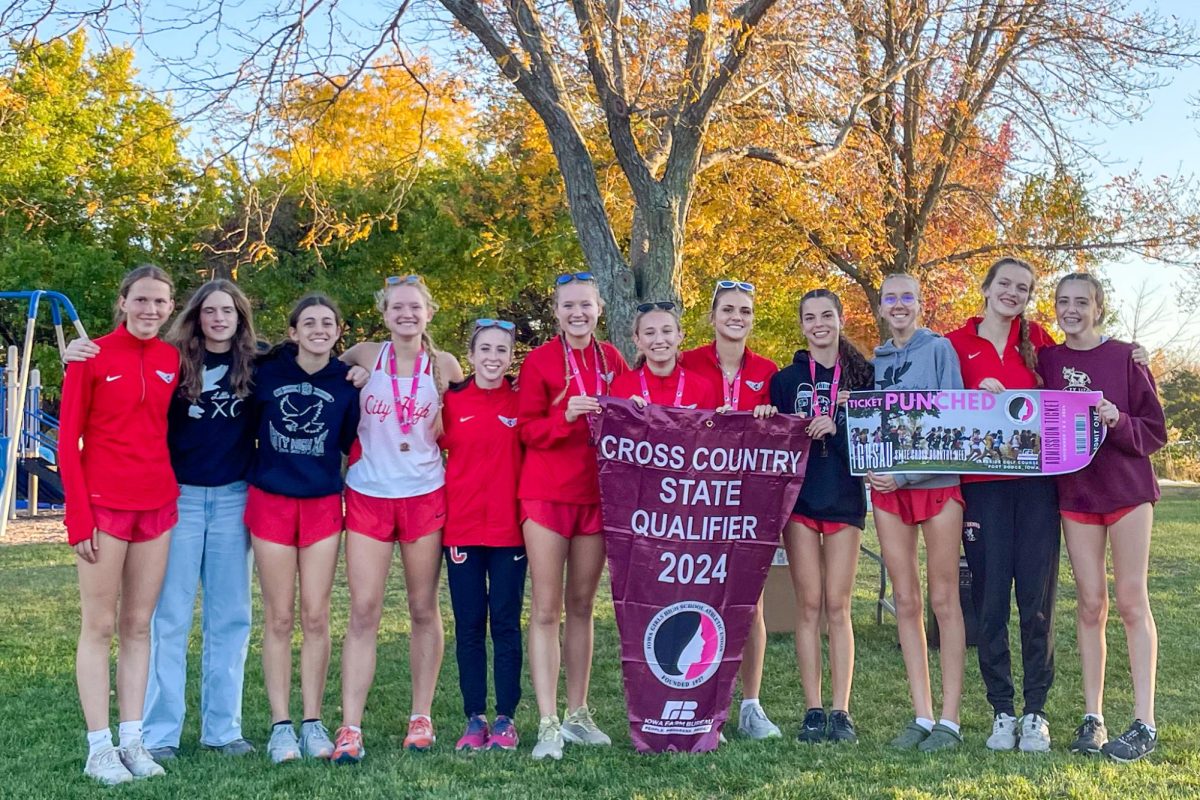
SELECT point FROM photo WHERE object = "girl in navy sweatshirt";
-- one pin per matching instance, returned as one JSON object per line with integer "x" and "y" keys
{"x": 823, "y": 534}
{"x": 1109, "y": 502}
{"x": 307, "y": 415}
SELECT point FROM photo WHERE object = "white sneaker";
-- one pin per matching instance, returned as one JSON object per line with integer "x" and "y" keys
{"x": 139, "y": 762}
{"x": 1035, "y": 734}
{"x": 106, "y": 767}
{"x": 315, "y": 741}
{"x": 549, "y": 739}
{"x": 754, "y": 723}
{"x": 580, "y": 728}
{"x": 1004, "y": 733}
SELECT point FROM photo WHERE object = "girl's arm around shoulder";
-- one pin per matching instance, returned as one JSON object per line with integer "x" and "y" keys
{"x": 450, "y": 369}
{"x": 363, "y": 354}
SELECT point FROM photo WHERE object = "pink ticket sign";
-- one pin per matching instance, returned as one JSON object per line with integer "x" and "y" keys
{"x": 1031, "y": 432}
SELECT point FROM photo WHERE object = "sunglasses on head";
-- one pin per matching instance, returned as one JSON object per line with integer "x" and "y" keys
{"x": 661, "y": 305}
{"x": 908, "y": 299}
{"x": 567, "y": 277}
{"x": 743, "y": 285}
{"x": 502, "y": 324}
{"x": 404, "y": 280}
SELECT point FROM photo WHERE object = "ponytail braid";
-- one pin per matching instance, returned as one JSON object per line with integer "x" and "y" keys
{"x": 859, "y": 372}
{"x": 434, "y": 357}
{"x": 1027, "y": 350}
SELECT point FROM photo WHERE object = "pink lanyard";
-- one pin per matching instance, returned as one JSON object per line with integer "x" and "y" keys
{"x": 732, "y": 389}
{"x": 405, "y": 414}
{"x": 833, "y": 387}
{"x": 646, "y": 389}
{"x": 575, "y": 370}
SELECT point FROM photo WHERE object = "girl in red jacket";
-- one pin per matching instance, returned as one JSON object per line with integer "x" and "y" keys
{"x": 560, "y": 506}
{"x": 121, "y": 504}
{"x": 395, "y": 493}
{"x": 658, "y": 377}
{"x": 744, "y": 380}
{"x": 1109, "y": 504}
{"x": 485, "y": 554}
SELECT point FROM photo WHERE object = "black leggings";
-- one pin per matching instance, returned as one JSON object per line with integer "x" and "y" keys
{"x": 487, "y": 581}
{"x": 1012, "y": 534}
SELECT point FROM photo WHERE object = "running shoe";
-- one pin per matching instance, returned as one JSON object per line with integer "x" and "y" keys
{"x": 755, "y": 724}
{"x": 283, "y": 745}
{"x": 813, "y": 728}
{"x": 549, "y": 740}
{"x": 1090, "y": 737}
{"x": 911, "y": 737}
{"x": 137, "y": 760}
{"x": 942, "y": 737}
{"x": 314, "y": 740}
{"x": 1035, "y": 734}
{"x": 504, "y": 735}
{"x": 1132, "y": 745}
{"x": 164, "y": 753}
{"x": 349, "y": 746}
{"x": 1004, "y": 733}
{"x": 107, "y": 767}
{"x": 238, "y": 747}
{"x": 420, "y": 734}
{"x": 841, "y": 728}
{"x": 580, "y": 728}
{"x": 476, "y": 736}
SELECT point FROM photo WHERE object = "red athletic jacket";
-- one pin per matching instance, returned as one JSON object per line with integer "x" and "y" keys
{"x": 698, "y": 390}
{"x": 756, "y": 375}
{"x": 979, "y": 360}
{"x": 560, "y": 464}
{"x": 483, "y": 466}
{"x": 117, "y": 404}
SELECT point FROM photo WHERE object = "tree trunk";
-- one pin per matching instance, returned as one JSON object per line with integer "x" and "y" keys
{"x": 656, "y": 258}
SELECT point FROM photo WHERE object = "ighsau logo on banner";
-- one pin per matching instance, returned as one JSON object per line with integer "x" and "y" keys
{"x": 693, "y": 504}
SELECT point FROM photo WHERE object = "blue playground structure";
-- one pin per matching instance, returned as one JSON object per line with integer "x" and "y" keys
{"x": 28, "y": 435}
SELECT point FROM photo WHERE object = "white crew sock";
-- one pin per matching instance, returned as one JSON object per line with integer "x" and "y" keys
{"x": 99, "y": 741}
{"x": 749, "y": 704}
{"x": 947, "y": 723}
{"x": 130, "y": 732}
{"x": 927, "y": 724}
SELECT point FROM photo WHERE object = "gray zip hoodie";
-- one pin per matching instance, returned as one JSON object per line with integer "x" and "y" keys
{"x": 928, "y": 361}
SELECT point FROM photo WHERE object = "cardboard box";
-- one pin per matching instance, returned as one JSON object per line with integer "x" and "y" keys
{"x": 779, "y": 600}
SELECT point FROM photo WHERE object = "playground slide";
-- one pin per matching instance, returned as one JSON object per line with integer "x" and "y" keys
{"x": 50, "y": 491}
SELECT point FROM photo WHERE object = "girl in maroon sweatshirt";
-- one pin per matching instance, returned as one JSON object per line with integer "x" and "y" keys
{"x": 560, "y": 506}
{"x": 121, "y": 501}
{"x": 1109, "y": 502}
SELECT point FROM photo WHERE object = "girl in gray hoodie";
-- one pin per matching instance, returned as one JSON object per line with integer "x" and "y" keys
{"x": 917, "y": 358}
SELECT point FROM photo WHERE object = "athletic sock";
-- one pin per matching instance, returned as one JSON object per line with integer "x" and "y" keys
{"x": 748, "y": 704}
{"x": 416, "y": 717}
{"x": 312, "y": 719}
{"x": 948, "y": 724}
{"x": 130, "y": 732}
{"x": 99, "y": 741}
{"x": 354, "y": 728}
{"x": 286, "y": 722}
{"x": 927, "y": 724}
{"x": 1153, "y": 730}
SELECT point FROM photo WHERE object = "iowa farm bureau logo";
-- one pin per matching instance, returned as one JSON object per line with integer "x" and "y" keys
{"x": 684, "y": 644}
{"x": 1021, "y": 409}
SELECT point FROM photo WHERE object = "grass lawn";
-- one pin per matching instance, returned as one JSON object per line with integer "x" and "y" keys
{"x": 43, "y": 743}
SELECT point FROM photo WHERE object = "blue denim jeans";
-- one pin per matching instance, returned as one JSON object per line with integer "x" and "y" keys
{"x": 210, "y": 547}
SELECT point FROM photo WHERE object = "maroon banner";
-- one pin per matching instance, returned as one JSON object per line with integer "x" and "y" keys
{"x": 693, "y": 505}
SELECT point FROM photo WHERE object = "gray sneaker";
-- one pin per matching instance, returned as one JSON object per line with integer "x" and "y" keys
{"x": 940, "y": 738}
{"x": 580, "y": 728}
{"x": 106, "y": 767}
{"x": 1004, "y": 732}
{"x": 549, "y": 739}
{"x": 238, "y": 747}
{"x": 315, "y": 741}
{"x": 755, "y": 724}
{"x": 164, "y": 753}
{"x": 1035, "y": 734}
{"x": 283, "y": 745}
{"x": 138, "y": 761}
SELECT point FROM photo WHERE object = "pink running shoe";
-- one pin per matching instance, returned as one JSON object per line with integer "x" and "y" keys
{"x": 504, "y": 735}
{"x": 476, "y": 735}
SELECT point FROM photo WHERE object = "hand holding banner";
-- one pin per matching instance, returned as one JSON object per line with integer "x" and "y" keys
{"x": 693, "y": 504}
{"x": 1034, "y": 432}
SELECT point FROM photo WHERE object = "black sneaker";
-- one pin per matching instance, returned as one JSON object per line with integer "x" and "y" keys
{"x": 1131, "y": 745}
{"x": 813, "y": 729}
{"x": 1089, "y": 737}
{"x": 841, "y": 728}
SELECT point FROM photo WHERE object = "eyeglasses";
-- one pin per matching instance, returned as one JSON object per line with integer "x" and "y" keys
{"x": 661, "y": 305}
{"x": 502, "y": 324}
{"x": 567, "y": 277}
{"x": 403, "y": 280}
{"x": 907, "y": 299}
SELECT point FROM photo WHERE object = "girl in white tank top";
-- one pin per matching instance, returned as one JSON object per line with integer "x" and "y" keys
{"x": 397, "y": 462}
{"x": 397, "y": 480}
